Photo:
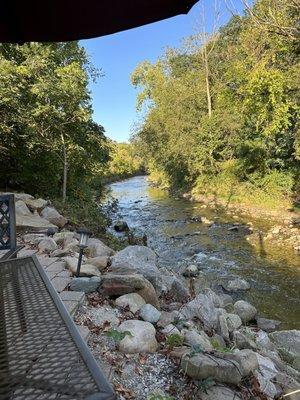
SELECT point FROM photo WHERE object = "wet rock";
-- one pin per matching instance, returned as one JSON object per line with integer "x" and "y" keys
{"x": 97, "y": 248}
{"x": 121, "y": 226}
{"x": 219, "y": 392}
{"x": 245, "y": 310}
{"x": 236, "y": 285}
{"x": 47, "y": 244}
{"x": 191, "y": 271}
{"x": 268, "y": 325}
{"x": 53, "y": 216}
{"x": 85, "y": 269}
{"x": 100, "y": 262}
{"x": 193, "y": 338}
{"x": 132, "y": 300}
{"x": 136, "y": 259}
{"x": 288, "y": 345}
{"x": 227, "y": 368}
{"x": 114, "y": 285}
{"x": 203, "y": 308}
{"x": 86, "y": 285}
{"x": 149, "y": 313}
{"x": 142, "y": 338}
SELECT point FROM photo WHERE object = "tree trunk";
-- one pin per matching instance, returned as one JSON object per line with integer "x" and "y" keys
{"x": 65, "y": 170}
{"x": 207, "y": 81}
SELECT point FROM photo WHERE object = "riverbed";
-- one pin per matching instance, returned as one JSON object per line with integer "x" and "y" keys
{"x": 220, "y": 248}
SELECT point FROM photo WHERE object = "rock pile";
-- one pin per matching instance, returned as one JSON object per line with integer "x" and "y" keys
{"x": 221, "y": 344}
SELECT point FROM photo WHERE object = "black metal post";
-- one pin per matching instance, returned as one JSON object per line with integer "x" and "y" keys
{"x": 79, "y": 261}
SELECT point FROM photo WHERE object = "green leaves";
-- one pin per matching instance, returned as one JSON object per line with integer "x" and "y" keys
{"x": 117, "y": 336}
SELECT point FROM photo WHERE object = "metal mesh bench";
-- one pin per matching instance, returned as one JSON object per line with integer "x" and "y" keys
{"x": 42, "y": 355}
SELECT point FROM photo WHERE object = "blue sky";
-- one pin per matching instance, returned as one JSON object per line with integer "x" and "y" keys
{"x": 114, "y": 98}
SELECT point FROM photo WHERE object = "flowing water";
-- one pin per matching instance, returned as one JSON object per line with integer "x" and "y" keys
{"x": 174, "y": 233}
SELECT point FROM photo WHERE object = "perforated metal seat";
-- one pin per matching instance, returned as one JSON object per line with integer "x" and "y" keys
{"x": 42, "y": 355}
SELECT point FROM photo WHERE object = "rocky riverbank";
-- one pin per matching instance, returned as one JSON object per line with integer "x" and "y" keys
{"x": 155, "y": 334}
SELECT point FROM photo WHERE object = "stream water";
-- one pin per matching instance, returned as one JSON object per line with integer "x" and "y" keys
{"x": 174, "y": 233}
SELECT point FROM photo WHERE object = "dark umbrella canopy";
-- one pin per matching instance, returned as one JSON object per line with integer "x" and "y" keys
{"x": 64, "y": 20}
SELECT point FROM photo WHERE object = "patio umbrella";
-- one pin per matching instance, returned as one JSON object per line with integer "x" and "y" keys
{"x": 64, "y": 20}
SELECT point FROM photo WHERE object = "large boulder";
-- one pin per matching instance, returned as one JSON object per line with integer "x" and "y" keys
{"x": 141, "y": 338}
{"x": 53, "y": 216}
{"x": 227, "y": 368}
{"x": 245, "y": 310}
{"x": 288, "y": 345}
{"x": 268, "y": 325}
{"x": 132, "y": 300}
{"x": 116, "y": 285}
{"x": 97, "y": 248}
{"x": 265, "y": 374}
{"x": 201, "y": 307}
{"x": 136, "y": 260}
{"x": 33, "y": 222}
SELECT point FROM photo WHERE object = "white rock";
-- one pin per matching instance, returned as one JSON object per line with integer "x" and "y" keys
{"x": 142, "y": 338}
{"x": 53, "y": 216}
{"x": 133, "y": 300}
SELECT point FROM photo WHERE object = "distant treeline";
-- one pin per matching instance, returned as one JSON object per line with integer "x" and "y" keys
{"x": 222, "y": 112}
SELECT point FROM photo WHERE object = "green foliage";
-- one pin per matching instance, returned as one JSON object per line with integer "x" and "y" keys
{"x": 216, "y": 345}
{"x": 116, "y": 335}
{"x": 159, "y": 397}
{"x": 174, "y": 340}
{"x": 250, "y": 142}
{"x": 46, "y": 119}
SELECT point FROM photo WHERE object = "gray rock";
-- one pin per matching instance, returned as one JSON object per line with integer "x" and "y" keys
{"x": 233, "y": 322}
{"x": 149, "y": 313}
{"x": 167, "y": 318}
{"x": 243, "y": 341}
{"x": 288, "y": 385}
{"x": 103, "y": 315}
{"x": 268, "y": 325}
{"x": 86, "y": 285}
{"x": 219, "y": 392}
{"x": 34, "y": 222}
{"x": 214, "y": 297}
{"x": 53, "y": 216}
{"x": 263, "y": 341}
{"x": 191, "y": 271}
{"x": 97, "y": 248}
{"x": 60, "y": 253}
{"x": 47, "y": 244}
{"x": 236, "y": 285}
{"x": 203, "y": 308}
{"x": 222, "y": 327}
{"x": 136, "y": 259}
{"x": 178, "y": 291}
{"x": 132, "y": 300}
{"x": 60, "y": 237}
{"x": 288, "y": 345}
{"x": 227, "y": 368}
{"x": 114, "y": 285}
{"x": 245, "y": 310}
{"x": 22, "y": 209}
{"x": 100, "y": 262}
{"x": 193, "y": 338}
{"x": 265, "y": 374}
{"x": 142, "y": 338}
{"x": 226, "y": 299}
